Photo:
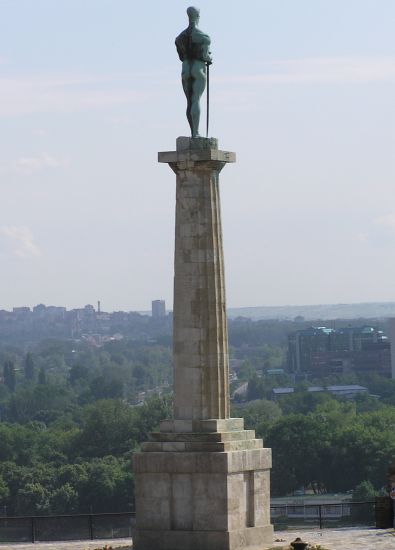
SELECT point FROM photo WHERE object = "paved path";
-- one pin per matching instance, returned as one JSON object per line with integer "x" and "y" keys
{"x": 331, "y": 539}
{"x": 342, "y": 539}
{"x": 74, "y": 545}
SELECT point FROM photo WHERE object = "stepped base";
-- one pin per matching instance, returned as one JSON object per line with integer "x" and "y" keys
{"x": 203, "y": 490}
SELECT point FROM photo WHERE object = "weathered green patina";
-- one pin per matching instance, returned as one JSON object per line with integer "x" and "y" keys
{"x": 193, "y": 50}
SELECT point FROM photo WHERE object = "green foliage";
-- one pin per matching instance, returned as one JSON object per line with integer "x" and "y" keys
{"x": 33, "y": 496}
{"x": 9, "y": 375}
{"x": 260, "y": 416}
{"x": 364, "y": 491}
{"x": 333, "y": 446}
{"x": 64, "y": 500}
{"x": 70, "y": 421}
{"x": 78, "y": 374}
{"x": 382, "y": 387}
{"x": 4, "y": 490}
{"x": 42, "y": 402}
{"x": 29, "y": 367}
{"x": 78, "y": 463}
{"x": 302, "y": 402}
{"x": 301, "y": 445}
{"x": 69, "y": 424}
{"x": 107, "y": 429}
{"x": 256, "y": 387}
{"x": 42, "y": 377}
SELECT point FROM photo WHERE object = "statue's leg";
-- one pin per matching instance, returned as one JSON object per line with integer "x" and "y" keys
{"x": 199, "y": 76}
{"x": 189, "y": 114}
{"x": 187, "y": 87}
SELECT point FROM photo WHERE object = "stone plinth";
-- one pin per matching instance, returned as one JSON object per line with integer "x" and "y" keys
{"x": 203, "y": 490}
{"x": 202, "y": 481}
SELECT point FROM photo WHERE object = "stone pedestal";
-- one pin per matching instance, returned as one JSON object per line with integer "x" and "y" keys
{"x": 202, "y": 481}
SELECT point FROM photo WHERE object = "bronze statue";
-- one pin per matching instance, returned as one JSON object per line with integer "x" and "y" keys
{"x": 193, "y": 50}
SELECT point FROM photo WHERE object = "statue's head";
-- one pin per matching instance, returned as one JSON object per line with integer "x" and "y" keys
{"x": 193, "y": 14}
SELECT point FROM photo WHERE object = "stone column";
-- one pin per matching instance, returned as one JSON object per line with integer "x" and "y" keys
{"x": 201, "y": 362}
{"x": 202, "y": 482}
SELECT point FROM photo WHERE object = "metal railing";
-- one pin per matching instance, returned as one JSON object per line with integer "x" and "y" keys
{"x": 121, "y": 525}
{"x": 343, "y": 514}
{"x": 66, "y": 527}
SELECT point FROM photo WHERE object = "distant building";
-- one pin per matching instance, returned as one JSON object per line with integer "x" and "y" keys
{"x": 158, "y": 309}
{"x": 323, "y": 351}
{"x": 342, "y": 391}
{"x": 21, "y": 313}
{"x": 347, "y": 391}
{"x": 282, "y": 391}
{"x": 39, "y": 311}
{"x": 391, "y": 334}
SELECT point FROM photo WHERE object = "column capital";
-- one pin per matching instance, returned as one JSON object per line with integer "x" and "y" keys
{"x": 195, "y": 150}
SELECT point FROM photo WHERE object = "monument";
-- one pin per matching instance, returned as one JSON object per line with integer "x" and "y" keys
{"x": 202, "y": 482}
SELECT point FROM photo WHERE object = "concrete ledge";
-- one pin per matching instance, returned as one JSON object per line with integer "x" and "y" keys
{"x": 196, "y": 156}
{"x": 176, "y": 462}
{"x": 210, "y": 425}
{"x": 202, "y": 462}
{"x": 203, "y": 436}
{"x": 202, "y": 446}
{"x": 254, "y": 459}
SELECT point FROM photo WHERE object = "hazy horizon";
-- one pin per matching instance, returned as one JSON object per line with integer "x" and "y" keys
{"x": 309, "y": 311}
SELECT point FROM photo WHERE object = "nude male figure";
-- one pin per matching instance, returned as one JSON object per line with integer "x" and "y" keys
{"x": 193, "y": 50}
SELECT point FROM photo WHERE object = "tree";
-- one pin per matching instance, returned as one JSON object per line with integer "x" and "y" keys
{"x": 361, "y": 453}
{"x": 29, "y": 367}
{"x": 108, "y": 429}
{"x": 42, "y": 377}
{"x": 301, "y": 452}
{"x": 246, "y": 371}
{"x": 42, "y": 402}
{"x": 33, "y": 499}
{"x": 364, "y": 491}
{"x": 4, "y": 491}
{"x": 9, "y": 375}
{"x": 78, "y": 373}
{"x": 150, "y": 414}
{"x": 260, "y": 416}
{"x": 106, "y": 389}
{"x": 64, "y": 500}
{"x": 256, "y": 387}
{"x": 108, "y": 486}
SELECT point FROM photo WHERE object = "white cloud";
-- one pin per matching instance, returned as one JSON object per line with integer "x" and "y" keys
{"x": 362, "y": 237}
{"x": 65, "y": 93}
{"x": 40, "y": 132}
{"x": 30, "y": 165}
{"x": 388, "y": 221}
{"x": 18, "y": 241}
{"x": 322, "y": 70}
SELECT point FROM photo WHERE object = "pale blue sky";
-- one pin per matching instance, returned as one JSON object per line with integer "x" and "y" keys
{"x": 303, "y": 91}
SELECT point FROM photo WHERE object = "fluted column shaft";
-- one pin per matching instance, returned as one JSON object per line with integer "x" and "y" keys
{"x": 200, "y": 341}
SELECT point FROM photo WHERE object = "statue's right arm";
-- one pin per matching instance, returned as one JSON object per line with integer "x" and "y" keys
{"x": 180, "y": 45}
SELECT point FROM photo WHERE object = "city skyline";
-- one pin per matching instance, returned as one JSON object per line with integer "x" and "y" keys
{"x": 90, "y": 93}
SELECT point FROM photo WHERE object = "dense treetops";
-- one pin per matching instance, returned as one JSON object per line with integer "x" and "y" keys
{"x": 70, "y": 420}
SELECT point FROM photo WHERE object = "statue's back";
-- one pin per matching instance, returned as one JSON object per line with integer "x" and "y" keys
{"x": 183, "y": 44}
{"x": 190, "y": 45}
